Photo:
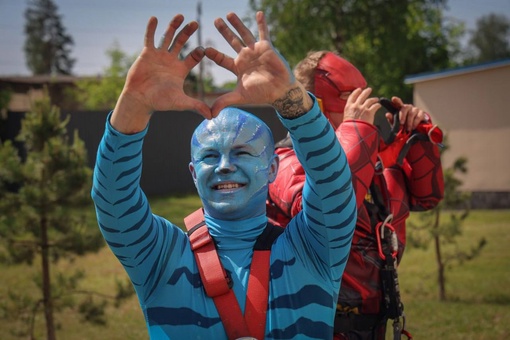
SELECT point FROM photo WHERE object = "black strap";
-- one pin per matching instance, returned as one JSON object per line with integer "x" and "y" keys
{"x": 377, "y": 209}
{"x": 268, "y": 236}
{"x": 378, "y": 198}
{"x": 348, "y": 322}
{"x": 265, "y": 239}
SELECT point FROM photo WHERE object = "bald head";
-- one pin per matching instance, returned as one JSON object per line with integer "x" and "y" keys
{"x": 233, "y": 125}
{"x": 232, "y": 163}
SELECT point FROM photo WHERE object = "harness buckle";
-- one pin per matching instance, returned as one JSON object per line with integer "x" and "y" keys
{"x": 380, "y": 231}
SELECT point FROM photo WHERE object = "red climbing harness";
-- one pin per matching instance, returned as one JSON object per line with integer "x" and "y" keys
{"x": 218, "y": 284}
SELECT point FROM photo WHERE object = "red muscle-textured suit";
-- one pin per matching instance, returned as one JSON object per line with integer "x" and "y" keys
{"x": 415, "y": 185}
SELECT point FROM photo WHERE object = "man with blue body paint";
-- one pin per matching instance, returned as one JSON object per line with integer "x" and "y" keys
{"x": 231, "y": 152}
{"x": 232, "y": 164}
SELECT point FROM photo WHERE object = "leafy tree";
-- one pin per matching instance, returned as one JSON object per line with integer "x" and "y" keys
{"x": 47, "y": 45}
{"x": 102, "y": 93}
{"x": 230, "y": 85}
{"x": 491, "y": 38}
{"x": 44, "y": 200}
{"x": 386, "y": 40}
{"x": 433, "y": 227}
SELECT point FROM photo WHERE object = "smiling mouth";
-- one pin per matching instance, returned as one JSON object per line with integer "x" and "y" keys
{"x": 228, "y": 186}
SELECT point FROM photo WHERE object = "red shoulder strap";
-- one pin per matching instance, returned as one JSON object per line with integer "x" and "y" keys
{"x": 257, "y": 294}
{"x": 218, "y": 284}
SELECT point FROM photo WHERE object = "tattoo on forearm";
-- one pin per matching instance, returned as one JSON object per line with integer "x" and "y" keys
{"x": 292, "y": 105}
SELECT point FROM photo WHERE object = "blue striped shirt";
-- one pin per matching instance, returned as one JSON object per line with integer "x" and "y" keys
{"x": 307, "y": 260}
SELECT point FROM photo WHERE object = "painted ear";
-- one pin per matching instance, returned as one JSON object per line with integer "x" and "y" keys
{"x": 193, "y": 173}
{"x": 273, "y": 168}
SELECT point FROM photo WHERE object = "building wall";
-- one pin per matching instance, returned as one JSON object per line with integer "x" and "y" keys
{"x": 25, "y": 89}
{"x": 473, "y": 111}
{"x": 21, "y": 101}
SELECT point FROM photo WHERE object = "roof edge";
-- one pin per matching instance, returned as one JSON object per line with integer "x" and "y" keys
{"x": 421, "y": 77}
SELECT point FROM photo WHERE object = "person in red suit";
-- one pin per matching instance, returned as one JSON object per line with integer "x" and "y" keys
{"x": 389, "y": 181}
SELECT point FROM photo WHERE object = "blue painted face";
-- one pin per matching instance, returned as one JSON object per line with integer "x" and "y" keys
{"x": 232, "y": 163}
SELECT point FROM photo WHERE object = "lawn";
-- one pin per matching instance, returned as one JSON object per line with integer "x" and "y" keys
{"x": 478, "y": 305}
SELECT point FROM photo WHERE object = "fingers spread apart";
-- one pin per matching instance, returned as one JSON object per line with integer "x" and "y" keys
{"x": 182, "y": 37}
{"x": 262, "y": 26}
{"x": 170, "y": 31}
{"x": 170, "y": 41}
{"x": 194, "y": 57}
{"x": 246, "y": 35}
{"x": 221, "y": 59}
{"x": 149, "y": 32}
{"x": 233, "y": 40}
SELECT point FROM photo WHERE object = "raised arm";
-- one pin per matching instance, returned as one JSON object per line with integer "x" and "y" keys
{"x": 359, "y": 138}
{"x": 322, "y": 233}
{"x": 424, "y": 170}
{"x": 145, "y": 244}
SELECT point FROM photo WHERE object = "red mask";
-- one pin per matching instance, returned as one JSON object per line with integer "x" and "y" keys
{"x": 334, "y": 75}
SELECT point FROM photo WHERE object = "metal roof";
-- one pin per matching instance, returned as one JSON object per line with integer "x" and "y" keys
{"x": 421, "y": 77}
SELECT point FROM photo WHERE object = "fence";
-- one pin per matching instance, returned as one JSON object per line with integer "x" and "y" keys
{"x": 166, "y": 150}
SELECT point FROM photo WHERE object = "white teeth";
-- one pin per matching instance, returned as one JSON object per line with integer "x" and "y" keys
{"x": 228, "y": 186}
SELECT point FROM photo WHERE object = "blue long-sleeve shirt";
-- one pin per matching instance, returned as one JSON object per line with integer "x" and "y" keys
{"x": 307, "y": 260}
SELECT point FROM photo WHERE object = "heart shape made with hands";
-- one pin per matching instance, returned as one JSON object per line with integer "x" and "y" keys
{"x": 158, "y": 76}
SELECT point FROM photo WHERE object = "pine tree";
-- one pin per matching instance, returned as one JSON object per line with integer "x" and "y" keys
{"x": 44, "y": 205}
{"x": 47, "y": 45}
{"x": 442, "y": 226}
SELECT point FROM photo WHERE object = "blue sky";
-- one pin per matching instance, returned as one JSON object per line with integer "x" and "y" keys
{"x": 96, "y": 25}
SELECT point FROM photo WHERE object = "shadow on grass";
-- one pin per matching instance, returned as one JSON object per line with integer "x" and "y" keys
{"x": 499, "y": 299}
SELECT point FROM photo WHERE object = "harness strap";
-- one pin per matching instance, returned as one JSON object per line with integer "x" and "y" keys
{"x": 394, "y": 308}
{"x": 257, "y": 294}
{"x": 218, "y": 284}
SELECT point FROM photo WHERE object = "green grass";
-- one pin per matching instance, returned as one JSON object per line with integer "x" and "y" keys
{"x": 478, "y": 291}
{"x": 102, "y": 271}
